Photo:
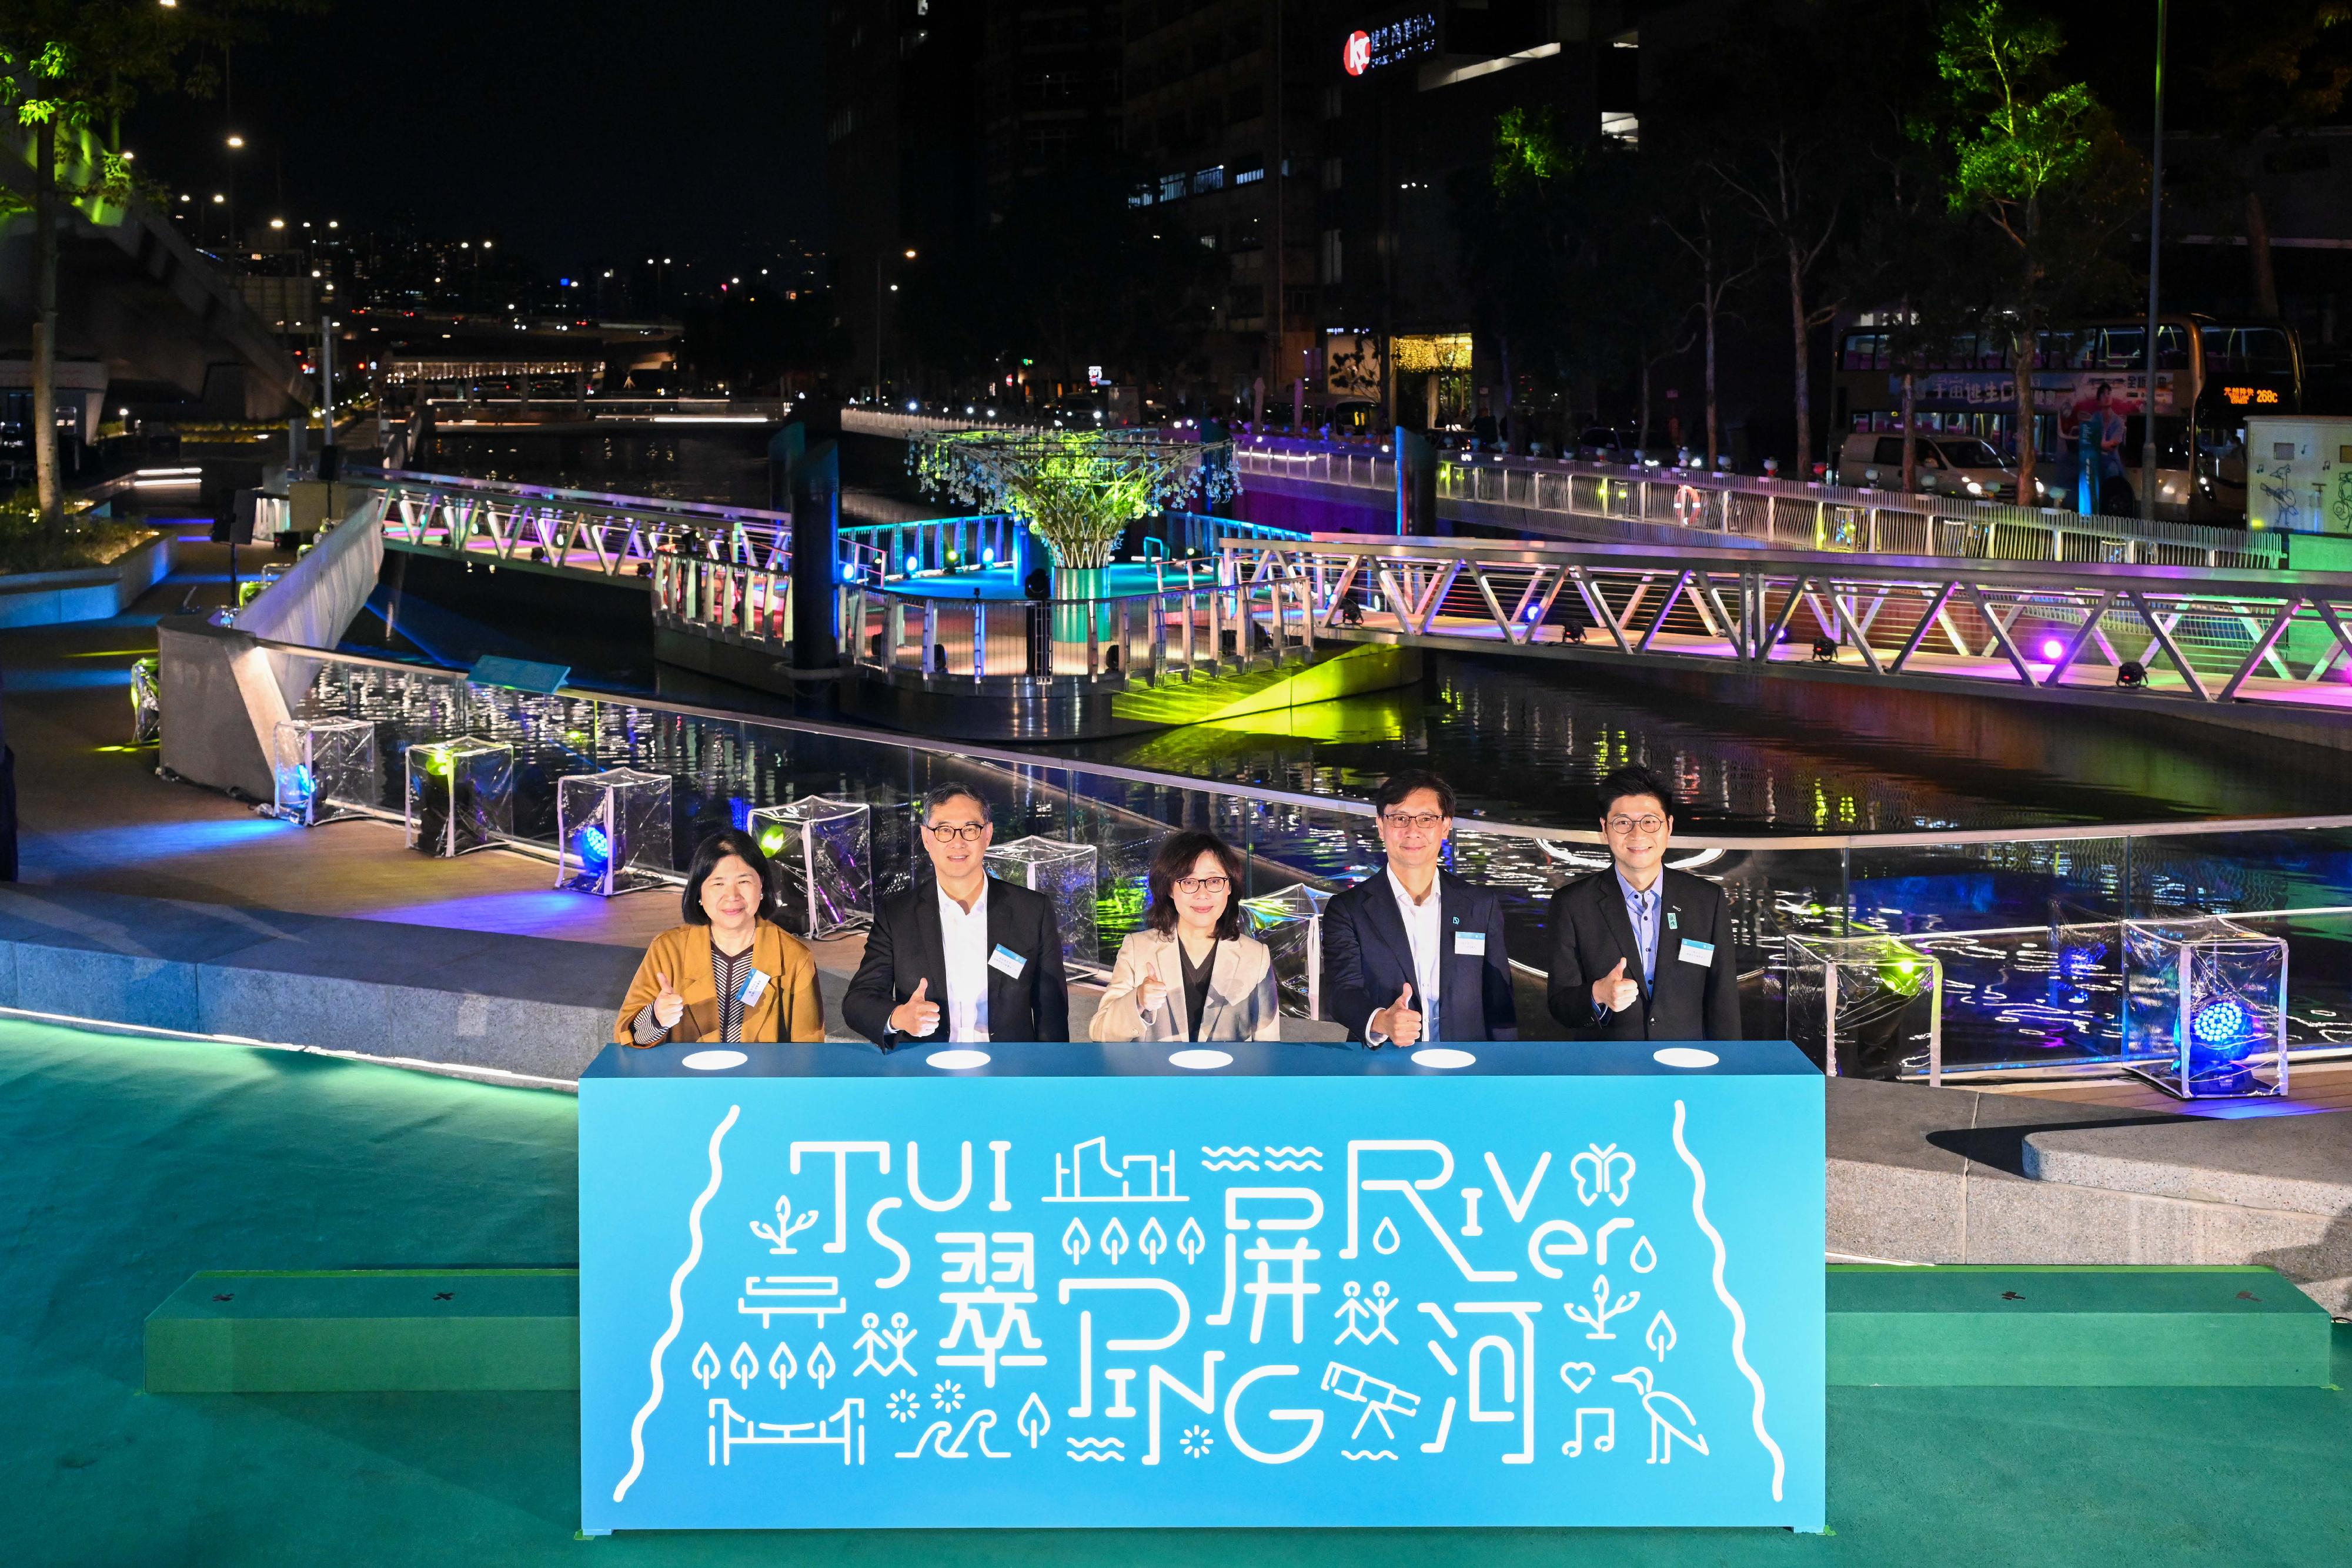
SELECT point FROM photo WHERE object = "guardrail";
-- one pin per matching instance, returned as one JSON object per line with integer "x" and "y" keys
{"x": 2273, "y": 874}
{"x": 1804, "y": 515}
{"x": 1807, "y": 515}
{"x": 2158, "y": 633}
{"x": 579, "y": 530}
{"x": 1179, "y": 631}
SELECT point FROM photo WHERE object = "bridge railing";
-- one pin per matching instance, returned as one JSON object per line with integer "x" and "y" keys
{"x": 580, "y": 530}
{"x": 2147, "y": 633}
{"x": 1805, "y": 516}
{"x": 1178, "y": 632}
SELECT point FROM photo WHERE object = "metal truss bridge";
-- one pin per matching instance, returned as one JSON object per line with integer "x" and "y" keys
{"x": 2174, "y": 636}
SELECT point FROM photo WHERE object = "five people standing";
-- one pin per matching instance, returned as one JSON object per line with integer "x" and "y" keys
{"x": 1412, "y": 954}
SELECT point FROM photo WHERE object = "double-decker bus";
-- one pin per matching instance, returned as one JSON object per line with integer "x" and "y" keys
{"x": 2211, "y": 375}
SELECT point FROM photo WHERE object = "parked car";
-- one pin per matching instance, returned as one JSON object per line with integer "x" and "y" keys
{"x": 1946, "y": 465}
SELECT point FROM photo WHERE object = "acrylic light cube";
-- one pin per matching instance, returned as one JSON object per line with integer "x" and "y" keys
{"x": 1290, "y": 924}
{"x": 1869, "y": 1006}
{"x": 822, "y": 850}
{"x": 461, "y": 795}
{"x": 146, "y": 703}
{"x": 613, "y": 831}
{"x": 2205, "y": 1007}
{"x": 325, "y": 770}
{"x": 1064, "y": 872}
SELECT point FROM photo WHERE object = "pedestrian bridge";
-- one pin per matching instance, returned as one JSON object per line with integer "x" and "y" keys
{"x": 2185, "y": 637}
{"x": 2175, "y": 637}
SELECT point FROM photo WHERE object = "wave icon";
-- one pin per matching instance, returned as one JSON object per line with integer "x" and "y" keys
{"x": 1245, "y": 1158}
{"x": 1101, "y": 1450}
{"x": 1367, "y": 1453}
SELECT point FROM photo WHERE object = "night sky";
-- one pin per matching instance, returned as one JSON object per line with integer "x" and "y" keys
{"x": 573, "y": 131}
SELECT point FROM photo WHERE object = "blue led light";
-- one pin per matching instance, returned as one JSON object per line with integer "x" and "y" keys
{"x": 988, "y": 558}
{"x": 594, "y": 848}
{"x": 913, "y": 566}
{"x": 2220, "y": 1022}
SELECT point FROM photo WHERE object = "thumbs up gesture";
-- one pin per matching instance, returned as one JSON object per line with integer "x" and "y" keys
{"x": 1614, "y": 991}
{"x": 1398, "y": 1020}
{"x": 918, "y": 1015}
{"x": 669, "y": 1006}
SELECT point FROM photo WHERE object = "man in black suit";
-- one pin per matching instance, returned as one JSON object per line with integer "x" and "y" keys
{"x": 1416, "y": 953}
{"x": 1640, "y": 952}
{"x": 963, "y": 956}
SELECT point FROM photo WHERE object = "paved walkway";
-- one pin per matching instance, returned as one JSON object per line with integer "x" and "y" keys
{"x": 94, "y": 815}
{"x": 135, "y": 1162}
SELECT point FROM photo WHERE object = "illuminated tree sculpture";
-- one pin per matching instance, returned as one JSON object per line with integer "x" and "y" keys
{"x": 1075, "y": 489}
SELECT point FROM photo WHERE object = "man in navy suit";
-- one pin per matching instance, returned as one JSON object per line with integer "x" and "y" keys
{"x": 1640, "y": 952}
{"x": 1415, "y": 953}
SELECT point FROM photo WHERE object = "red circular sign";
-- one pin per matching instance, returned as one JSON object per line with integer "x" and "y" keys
{"x": 1356, "y": 54}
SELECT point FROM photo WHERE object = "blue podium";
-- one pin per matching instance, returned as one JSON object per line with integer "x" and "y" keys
{"x": 1527, "y": 1283}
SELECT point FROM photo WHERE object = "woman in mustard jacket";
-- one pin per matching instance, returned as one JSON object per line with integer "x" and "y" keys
{"x": 730, "y": 973}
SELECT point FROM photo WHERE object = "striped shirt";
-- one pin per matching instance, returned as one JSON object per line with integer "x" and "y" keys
{"x": 728, "y": 973}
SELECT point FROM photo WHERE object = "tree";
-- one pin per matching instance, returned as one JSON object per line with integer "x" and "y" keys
{"x": 1718, "y": 258}
{"x": 2038, "y": 159}
{"x": 1783, "y": 151}
{"x": 2268, "y": 68}
{"x": 1514, "y": 222}
{"x": 69, "y": 71}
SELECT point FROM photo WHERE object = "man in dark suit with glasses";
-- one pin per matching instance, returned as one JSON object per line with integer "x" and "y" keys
{"x": 1640, "y": 952}
{"x": 1415, "y": 953}
{"x": 962, "y": 957}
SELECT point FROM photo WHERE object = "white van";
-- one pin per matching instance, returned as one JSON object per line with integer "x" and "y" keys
{"x": 1948, "y": 464}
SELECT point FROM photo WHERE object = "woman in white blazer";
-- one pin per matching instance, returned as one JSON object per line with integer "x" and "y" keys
{"x": 1190, "y": 974}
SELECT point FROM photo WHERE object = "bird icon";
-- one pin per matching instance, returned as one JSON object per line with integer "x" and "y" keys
{"x": 1656, "y": 1405}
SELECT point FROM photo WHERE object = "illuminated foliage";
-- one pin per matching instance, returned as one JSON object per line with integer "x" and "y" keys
{"x": 1075, "y": 489}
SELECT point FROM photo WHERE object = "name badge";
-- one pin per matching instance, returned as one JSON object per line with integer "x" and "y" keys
{"x": 755, "y": 986}
{"x": 1470, "y": 944}
{"x": 1006, "y": 960}
{"x": 1699, "y": 953}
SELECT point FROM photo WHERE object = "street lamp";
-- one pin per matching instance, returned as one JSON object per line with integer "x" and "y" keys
{"x": 235, "y": 143}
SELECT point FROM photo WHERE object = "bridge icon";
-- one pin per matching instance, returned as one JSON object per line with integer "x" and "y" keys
{"x": 1088, "y": 1174}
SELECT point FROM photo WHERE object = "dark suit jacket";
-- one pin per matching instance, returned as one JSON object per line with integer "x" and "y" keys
{"x": 905, "y": 947}
{"x": 1366, "y": 957}
{"x": 1591, "y": 930}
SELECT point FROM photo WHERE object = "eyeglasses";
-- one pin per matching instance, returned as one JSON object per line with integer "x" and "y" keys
{"x": 1628, "y": 825}
{"x": 1191, "y": 884}
{"x": 1403, "y": 820}
{"x": 954, "y": 830}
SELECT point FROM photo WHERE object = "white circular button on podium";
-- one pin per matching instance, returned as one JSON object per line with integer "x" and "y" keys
{"x": 1200, "y": 1060}
{"x": 1684, "y": 1056}
{"x": 959, "y": 1057}
{"x": 714, "y": 1060}
{"x": 1441, "y": 1056}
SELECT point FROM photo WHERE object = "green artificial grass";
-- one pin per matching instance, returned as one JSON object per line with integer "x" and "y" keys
{"x": 132, "y": 1164}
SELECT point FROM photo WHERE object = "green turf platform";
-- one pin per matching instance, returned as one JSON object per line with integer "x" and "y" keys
{"x": 1960, "y": 1325}
{"x": 409, "y": 1331}
{"x": 415, "y": 1331}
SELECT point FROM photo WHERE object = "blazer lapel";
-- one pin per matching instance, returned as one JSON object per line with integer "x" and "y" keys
{"x": 1621, "y": 925}
{"x": 1224, "y": 989}
{"x": 930, "y": 955}
{"x": 701, "y": 997}
{"x": 765, "y": 1018}
{"x": 1388, "y": 925}
{"x": 1168, "y": 966}
{"x": 1006, "y": 995}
